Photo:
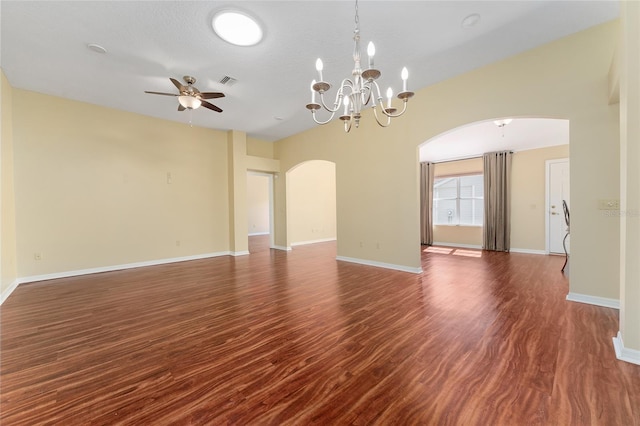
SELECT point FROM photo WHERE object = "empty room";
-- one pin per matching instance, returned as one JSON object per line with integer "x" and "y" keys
{"x": 320, "y": 212}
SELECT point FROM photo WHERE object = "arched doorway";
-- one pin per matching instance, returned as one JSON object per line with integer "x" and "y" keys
{"x": 534, "y": 141}
{"x": 311, "y": 202}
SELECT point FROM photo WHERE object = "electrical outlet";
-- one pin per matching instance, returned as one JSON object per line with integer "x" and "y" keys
{"x": 608, "y": 204}
{"x": 37, "y": 256}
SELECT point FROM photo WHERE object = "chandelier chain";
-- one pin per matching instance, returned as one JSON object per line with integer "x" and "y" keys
{"x": 357, "y": 19}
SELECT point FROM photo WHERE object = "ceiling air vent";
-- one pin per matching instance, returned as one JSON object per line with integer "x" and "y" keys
{"x": 227, "y": 81}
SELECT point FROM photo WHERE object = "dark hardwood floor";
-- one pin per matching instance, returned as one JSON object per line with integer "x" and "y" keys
{"x": 300, "y": 338}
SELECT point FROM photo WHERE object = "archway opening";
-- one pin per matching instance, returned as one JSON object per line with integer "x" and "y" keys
{"x": 311, "y": 203}
{"x": 457, "y": 154}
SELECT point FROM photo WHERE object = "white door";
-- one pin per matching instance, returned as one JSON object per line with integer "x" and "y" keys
{"x": 557, "y": 191}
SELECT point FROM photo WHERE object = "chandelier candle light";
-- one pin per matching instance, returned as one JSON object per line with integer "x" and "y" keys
{"x": 357, "y": 92}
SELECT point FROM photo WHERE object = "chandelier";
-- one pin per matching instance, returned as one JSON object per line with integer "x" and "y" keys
{"x": 359, "y": 91}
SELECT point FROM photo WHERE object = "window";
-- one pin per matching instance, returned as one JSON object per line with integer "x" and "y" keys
{"x": 458, "y": 200}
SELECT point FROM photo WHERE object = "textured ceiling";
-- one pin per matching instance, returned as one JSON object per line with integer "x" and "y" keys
{"x": 44, "y": 49}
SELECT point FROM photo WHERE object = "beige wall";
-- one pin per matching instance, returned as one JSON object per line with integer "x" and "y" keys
{"x": 259, "y": 148}
{"x": 457, "y": 235}
{"x": 377, "y": 169}
{"x": 237, "y": 188}
{"x": 93, "y": 187}
{"x": 257, "y": 204}
{"x": 262, "y": 164}
{"x": 8, "y": 268}
{"x": 528, "y": 196}
{"x": 460, "y": 167}
{"x": 311, "y": 196}
{"x": 630, "y": 179}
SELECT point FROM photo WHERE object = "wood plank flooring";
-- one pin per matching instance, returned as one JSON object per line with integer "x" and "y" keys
{"x": 297, "y": 338}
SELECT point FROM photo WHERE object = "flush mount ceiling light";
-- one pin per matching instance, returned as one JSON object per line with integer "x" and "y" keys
{"x": 358, "y": 91}
{"x": 237, "y": 28}
{"x": 471, "y": 20}
{"x": 502, "y": 123}
{"x": 96, "y": 48}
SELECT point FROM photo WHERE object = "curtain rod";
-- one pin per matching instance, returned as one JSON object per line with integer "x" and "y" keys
{"x": 459, "y": 159}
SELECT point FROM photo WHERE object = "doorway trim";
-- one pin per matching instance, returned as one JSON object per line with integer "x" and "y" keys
{"x": 270, "y": 176}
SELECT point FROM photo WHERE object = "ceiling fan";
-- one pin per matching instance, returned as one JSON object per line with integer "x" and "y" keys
{"x": 190, "y": 97}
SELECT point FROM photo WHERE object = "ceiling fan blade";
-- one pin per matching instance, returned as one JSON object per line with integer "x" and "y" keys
{"x": 180, "y": 107}
{"x": 176, "y": 83}
{"x": 161, "y": 93}
{"x": 211, "y": 95}
{"x": 211, "y": 106}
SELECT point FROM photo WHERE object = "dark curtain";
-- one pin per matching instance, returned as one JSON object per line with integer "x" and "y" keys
{"x": 497, "y": 201}
{"x": 426, "y": 203}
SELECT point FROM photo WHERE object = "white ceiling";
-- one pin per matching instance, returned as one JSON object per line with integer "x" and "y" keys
{"x": 44, "y": 49}
{"x": 477, "y": 138}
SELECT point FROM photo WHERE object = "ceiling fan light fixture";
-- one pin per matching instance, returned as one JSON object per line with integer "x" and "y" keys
{"x": 237, "y": 28}
{"x": 189, "y": 102}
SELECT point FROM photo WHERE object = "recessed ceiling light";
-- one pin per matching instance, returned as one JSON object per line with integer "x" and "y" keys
{"x": 237, "y": 28}
{"x": 471, "y": 20}
{"x": 96, "y": 48}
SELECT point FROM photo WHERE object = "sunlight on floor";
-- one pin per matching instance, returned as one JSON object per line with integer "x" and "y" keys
{"x": 454, "y": 251}
{"x": 440, "y": 250}
{"x": 468, "y": 253}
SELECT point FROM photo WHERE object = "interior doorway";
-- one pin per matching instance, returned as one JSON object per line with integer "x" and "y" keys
{"x": 260, "y": 215}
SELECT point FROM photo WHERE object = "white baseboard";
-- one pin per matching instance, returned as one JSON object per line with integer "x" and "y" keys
{"x": 380, "y": 264}
{"x": 322, "y": 240}
{"x": 479, "y": 247}
{"x": 625, "y": 354}
{"x": 467, "y": 246}
{"x": 5, "y": 294}
{"x": 239, "y": 253}
{"x": 76, "y": 273}
{"x": 258, "y": 233}
{"x": 527, "y": 251}
{"x": 594, "y": 300}
{"x": 281, "y": 248}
